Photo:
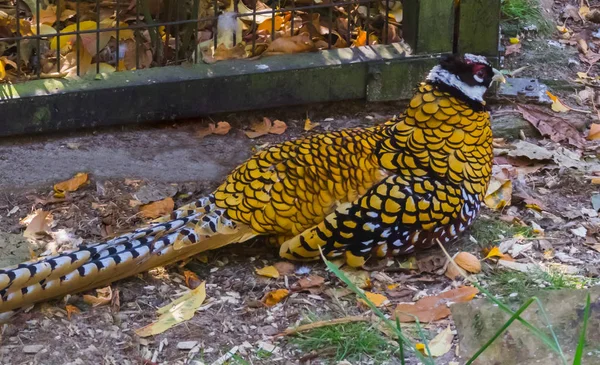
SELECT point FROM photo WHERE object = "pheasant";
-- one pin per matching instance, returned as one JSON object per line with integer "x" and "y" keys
{"x": 357, "y": 193}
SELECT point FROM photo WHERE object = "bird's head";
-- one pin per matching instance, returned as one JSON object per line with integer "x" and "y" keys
{"x": 470, "y": 75}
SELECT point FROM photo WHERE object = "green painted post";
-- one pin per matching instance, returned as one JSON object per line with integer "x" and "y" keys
{"x": 429, "y": 25}
{"x": 478, "y": 27}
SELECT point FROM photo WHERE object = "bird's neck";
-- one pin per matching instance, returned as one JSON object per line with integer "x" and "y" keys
{"x": 441, "y": 135}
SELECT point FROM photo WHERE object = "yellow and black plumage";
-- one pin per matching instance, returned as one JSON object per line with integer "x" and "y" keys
{"x": 361, "y": 192}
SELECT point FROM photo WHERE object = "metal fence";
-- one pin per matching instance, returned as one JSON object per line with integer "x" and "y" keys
{"x": 59, "y": 38}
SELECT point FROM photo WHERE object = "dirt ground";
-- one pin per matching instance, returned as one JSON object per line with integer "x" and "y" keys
{"x": 551, "y": 203}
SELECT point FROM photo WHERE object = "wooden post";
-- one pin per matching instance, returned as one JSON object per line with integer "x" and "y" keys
{"x": 429, "y": 25}
{"x": 479, "y": 27}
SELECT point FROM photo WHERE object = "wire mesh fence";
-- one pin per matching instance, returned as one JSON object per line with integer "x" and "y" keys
{"x": 60, "y": 38}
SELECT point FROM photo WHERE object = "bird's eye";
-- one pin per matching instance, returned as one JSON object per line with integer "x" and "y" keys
{"x": 480, "y": 74}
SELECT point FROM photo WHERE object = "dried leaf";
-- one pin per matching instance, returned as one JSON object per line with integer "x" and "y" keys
{"x": 494, "y": 252}
{"x": 310, "y": 282}
{"x": 320, "y": 324}
{"x": 433, "y": 308}
{"x": 360, "y": 278}
{"x": 361, "y": 38}
{"x": 259, "y": 129}
{"x": 296, "y": 44}
{"x": 72, "y": 184}
{"x": 221, "y": 128}
{"x": 468, "y": 262}
{"x": 268, "y": 271}
{"x": 440, "y": 345}
{"x": 275, "y": 296}
{"x": 308, "y": 125}
{"x": 182, "y": 309}
{"x": 71, "y": 309}
{"x": 267, "y": 24}
{"x": 377, "y": 299}
{"x": 284, "y": 267}
{"x": 158, "y": 208}
{"x": 499, "y": 193}
{"x": 278, "y": 127}
{"x": 104, "y": 296}
{"x": 513, "y": 48}
{"x": 38, "y": 221}
{"x": 557, "y": 105}
{"x": 594, "y": 132}
{"x": 551, "y": 125}
{"x": 192, "y": 280}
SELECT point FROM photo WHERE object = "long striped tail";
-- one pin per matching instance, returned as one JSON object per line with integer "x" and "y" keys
{"x": 194, "y": 228}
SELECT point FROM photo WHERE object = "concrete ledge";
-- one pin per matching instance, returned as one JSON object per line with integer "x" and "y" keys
{"x": 375, "y": 73}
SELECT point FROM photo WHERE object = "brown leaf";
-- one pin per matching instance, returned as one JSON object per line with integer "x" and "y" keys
{"x": 434, "y": 307}
{"x": 296, "y": 44}
{"x": 158, "y": 208}
{"x": 310, "y": 282}
{"x": 468, "y": 262}
{"x": 278, "y": 127}
{"x": 284, "y": 267}
{"x": 551, "y": 125}
{"x": 71, "y": 309}
{"x": 37, "y": 222}
{"x": 192, "y": 280}
{"x": 594, "y": 133}
{"x": 513, "y": 48}
{"x": 221, "y": 128}
{"x": 259, "y": 129}
{"x": 104, "y": 297}
{"x": 72, "y": 184}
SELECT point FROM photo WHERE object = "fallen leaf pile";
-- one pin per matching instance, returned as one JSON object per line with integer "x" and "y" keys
{"x": 258, "y": 30}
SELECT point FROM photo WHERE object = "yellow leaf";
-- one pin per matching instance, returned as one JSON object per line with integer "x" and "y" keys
{"x": 72, "y": 184}
{"x": 360, "y": 278}
{"x": 178, "y": 311}
{"x": 583, "y": 11}
{"x": 499, "y": 193}
{"x": 594, "y": 132}
{"x": 562, "y": 29}
{"x": 513, "y": 40}
{"x": 104, "y": 297}
{"x": 557, "y": 105}
{"x": 308, "y": 125}
{"x": 440, "y": 345}
{"x": 377, "y": 299}
{"x": 596, "y": 180}
{"x": 71, "y": 309}
{"x": 396, "y": 12}
{"x": 392, "y": 286}
{"x": 2, "y": 70}
{"x": 494, "y": 252}
{"x": 158, "y": 208}
{"x": 361, "y": 38}
{"x": 267, "y": 24}
{"x": 275, "y": 296}
{"x": 268, "y": 271}
{"x": 582, "y": 75}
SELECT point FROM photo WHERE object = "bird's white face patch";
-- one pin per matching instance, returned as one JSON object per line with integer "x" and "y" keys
{"x": 438, "y": 74}
{"x": 471, "y": 58}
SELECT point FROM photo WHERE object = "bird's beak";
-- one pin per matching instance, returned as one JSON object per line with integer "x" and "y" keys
{"x": 498, "y": 76}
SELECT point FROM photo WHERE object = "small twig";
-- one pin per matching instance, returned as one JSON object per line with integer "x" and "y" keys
{"x": 319, "y": 324}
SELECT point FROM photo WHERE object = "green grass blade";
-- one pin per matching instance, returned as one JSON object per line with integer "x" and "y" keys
{"x": 400, "y": 342}
{"x": 379, "y": 313}
{"x": 551, "y": 343}
{"x": 500, "y": 331}
{"x": 581, "y": 344}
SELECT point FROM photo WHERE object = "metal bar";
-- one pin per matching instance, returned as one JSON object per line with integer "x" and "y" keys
{"x": 18, "y": 41}
{"x": 38, "y": 56}
{"x": 386, "y": 23}
{"x": 272, "y": 23}
{"x": 97, "y": 36}
{"x": 255, "y": 30}
{"x": 235, "y": 9}
{"x": 77, "y": 42}
{"x": 367, "y": 22}
{"x": 215, "y": 29}
{"x": 58, "y": 37}
{"x": 138, "y": 36}
{"x": 329, "y": 36}
{"x": 177, "y": 31}
{"x": 117, "y": 33}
